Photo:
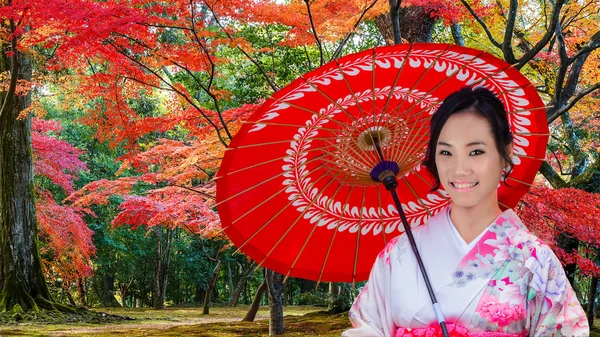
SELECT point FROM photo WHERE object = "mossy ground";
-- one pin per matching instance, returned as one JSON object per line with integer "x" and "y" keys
{"x": 189, "y": 321}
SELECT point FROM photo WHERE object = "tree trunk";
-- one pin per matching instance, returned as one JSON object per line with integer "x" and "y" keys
{"x": 69, "y": 297}
{"x": 81, "y": 291}
{"x": 260, "y": 292}
{"x": 108, "y": 291}
{"x": 22, "y": 281}
{"x": 200, "y": 293}
{"x": 414, "y": 24}
{"x": 211, "y": 286}
{"x": 275, "y": 286}
{"x": 332, "y": 294}
{"x": 339, "y": 298}
{"x": 242, "y": 283}
{"x": 230, "y": 281}
{"x": 592, "y": 300}
{"x": 161, "y": 266}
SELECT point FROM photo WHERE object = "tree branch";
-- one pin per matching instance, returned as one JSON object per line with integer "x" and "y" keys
{"x": 457, "y": 34}
{"x": 507, "y": 51}
{"x": 14, "y": 76}
{"x": 551, "y": 176}
{"x": 340, "y": 47}
{"x": 586, "y": 176}
{"x": 560, "y": 165}
{"x": 482, "y": 24}
{"x": 555, "y": 18}
{"x": 395, "y": 17}
{"x": 255, "y": 62}
{"x": 558, "y": 112}
{"x": 184, "y": 96}
{"x": 592, "y": 45}
{"x": 202, "y": 46}
{"x": 312, "y": 25}
{"x": 204, "y": 194}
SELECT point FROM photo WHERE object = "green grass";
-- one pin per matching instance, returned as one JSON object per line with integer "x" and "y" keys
{"x": 221, "y": 322}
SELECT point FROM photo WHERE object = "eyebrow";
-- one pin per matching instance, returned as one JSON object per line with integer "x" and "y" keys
{"x": 470, "y": 144}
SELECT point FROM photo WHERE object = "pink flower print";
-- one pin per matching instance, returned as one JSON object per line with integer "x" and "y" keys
{"x": 434, "y": 330}
{"x": 572, "y": 318}
{"x": 385, "y": 253}
{"x": 513, "y": 292}
{"x": 501, "y": 313}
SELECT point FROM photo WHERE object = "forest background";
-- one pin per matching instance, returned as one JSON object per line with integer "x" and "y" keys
{"x": 115, "y": 116}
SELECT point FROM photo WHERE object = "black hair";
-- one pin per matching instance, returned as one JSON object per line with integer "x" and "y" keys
{"x": 484, "y": 103}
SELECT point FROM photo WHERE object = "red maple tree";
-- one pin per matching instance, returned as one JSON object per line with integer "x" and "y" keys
{"x": 68, "y": 244}
{"x": 553, "y": 213}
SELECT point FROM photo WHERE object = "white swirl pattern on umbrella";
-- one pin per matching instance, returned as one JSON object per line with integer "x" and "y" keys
{"x": 348, "y": 217}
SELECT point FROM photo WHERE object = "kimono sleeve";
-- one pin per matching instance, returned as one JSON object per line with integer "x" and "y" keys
{"x": 370, "y": 314}
{"x": 555, "y": 310}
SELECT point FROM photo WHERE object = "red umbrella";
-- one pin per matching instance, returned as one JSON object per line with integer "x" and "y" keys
{"x": 297, "y": 189}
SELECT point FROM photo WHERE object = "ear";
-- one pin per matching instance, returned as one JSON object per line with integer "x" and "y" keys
{"x": 509, "y": 150}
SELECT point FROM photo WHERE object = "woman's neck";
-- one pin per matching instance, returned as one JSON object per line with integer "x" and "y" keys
{"x": 471, "y": 221}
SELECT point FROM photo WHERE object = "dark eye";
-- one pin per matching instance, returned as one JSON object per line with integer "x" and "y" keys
{"x": 476, "y": 153}
{"x": 445, "y": 153}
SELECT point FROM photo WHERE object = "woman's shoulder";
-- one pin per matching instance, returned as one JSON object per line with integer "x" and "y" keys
{"x": 526, "y": 245}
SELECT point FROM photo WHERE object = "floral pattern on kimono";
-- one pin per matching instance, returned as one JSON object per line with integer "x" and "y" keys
{"x": 515, "y": 283}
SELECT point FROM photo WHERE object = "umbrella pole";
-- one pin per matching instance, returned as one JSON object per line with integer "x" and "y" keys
{"x": 388, "y": 178}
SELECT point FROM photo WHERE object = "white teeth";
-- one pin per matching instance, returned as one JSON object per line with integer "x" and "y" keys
{"x": 469, "y": 185}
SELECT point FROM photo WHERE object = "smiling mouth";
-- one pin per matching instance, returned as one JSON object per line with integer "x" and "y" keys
{"x": 464, "y": 185}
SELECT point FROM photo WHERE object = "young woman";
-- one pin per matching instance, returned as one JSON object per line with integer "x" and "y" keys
{"x": 491, "y": 276}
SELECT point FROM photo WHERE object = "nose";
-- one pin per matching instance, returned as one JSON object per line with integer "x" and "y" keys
{"x": 463, "y": 166}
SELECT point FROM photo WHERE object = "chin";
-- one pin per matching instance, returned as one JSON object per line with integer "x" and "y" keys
{"x": 463, "y": 203}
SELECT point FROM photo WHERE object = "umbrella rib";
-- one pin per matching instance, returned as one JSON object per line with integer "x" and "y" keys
{"x": 356, "y": 153}
{"x": 341, "y": 109}
{"x": 300, "y": 216}
{"x": 519, "y": 181}
{"x": 414, "y": 85}
{"x": 528, "y": 157}
{"x": 354, "y": 165}
{"x": 316, "y": 223}
{"x": 265, "y": 162}
{"x": 239, "y": 248}
{"x": 358, "y": 233}
{"x": 307, "y": 187}
{"x": 334, "y": 234}
{"x": 267, "y": 180}
{"x": 260, "y": 204}
{"x": 473, "y": 84}
{"x": 533, "y": 134}
{"x": 301, "y": 108}
{"x": 405, "y": 112}
{"x": 518, "y": 111}
{"x": 393, "y": 88}
{"x": 289, "y": 125}
{"x": 381, "y": 216}
{"x": 352, "y": 93}
{"x": 373, "y": 98}
{"x": 412, "y": 190}
{"x": 269, "y": 143}
{"x": 364, "y": 122}
{"x": 450, "y": 76}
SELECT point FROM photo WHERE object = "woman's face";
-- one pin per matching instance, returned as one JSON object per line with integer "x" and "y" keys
{"x": 468, "y": 163}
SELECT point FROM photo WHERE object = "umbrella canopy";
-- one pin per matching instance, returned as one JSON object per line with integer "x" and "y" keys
{"x": 298, "y": 188}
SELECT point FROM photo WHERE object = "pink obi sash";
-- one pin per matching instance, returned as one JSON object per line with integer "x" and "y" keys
{"x": 434, "y": 330}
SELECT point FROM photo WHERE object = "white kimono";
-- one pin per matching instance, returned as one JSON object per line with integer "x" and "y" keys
{"x": 505, "y": 283}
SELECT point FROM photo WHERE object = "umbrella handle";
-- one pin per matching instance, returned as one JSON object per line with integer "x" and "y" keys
{"x": 390, "y": 183}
